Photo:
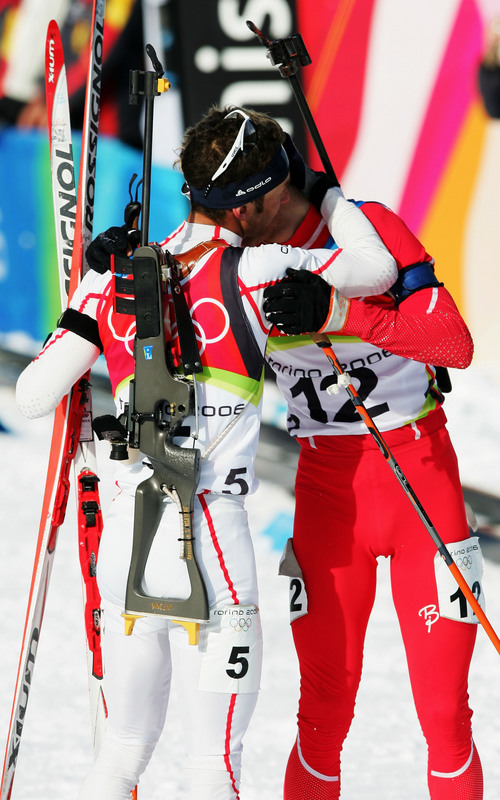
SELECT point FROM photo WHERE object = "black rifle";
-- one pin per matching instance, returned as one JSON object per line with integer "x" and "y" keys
{"x": 160, "y": 397}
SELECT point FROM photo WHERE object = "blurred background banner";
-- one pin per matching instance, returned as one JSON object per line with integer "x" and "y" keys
{"x": 220, "y": 59}
{"x": 393, "y": 88}
{"x": 29, "y": 284}
{"x": 394, "y": 92}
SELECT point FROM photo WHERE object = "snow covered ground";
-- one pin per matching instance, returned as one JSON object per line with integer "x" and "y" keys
{"x": 384, "y": 757}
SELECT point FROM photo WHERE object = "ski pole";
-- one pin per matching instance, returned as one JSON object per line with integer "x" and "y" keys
{"x": 343, "y": 380}
{"x": 288, "y": 54}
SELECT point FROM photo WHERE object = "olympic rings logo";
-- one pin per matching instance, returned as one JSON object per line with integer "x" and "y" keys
{"x": 128, "y": 339}
{"x": 240, "y": 624}
{"x": 212, "y": 316}
{"x": 464, "y": 562}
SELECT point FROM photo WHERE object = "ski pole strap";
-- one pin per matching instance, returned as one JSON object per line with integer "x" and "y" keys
{"x": 90, "y": 525}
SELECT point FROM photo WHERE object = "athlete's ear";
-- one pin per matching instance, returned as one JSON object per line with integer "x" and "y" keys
{"x": 241, "y": 213}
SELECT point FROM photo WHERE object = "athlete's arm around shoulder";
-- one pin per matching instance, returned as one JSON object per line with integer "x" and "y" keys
{"x": 362, "y": 264}
{"x": 66, "y": 355}
{"x": 424, "y": 323}
{"x": 365, "y": 265}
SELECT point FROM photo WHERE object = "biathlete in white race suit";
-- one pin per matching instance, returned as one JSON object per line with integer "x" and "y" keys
{"x": 350, "y": 508}
{"x": 227, "y": 158}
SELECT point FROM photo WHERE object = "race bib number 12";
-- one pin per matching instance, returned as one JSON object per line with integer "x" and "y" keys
{"x": 469, "y": 559}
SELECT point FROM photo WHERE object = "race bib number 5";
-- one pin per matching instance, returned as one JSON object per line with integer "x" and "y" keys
{"x": 232, "y": 658}
{"x": 468, "y": 558}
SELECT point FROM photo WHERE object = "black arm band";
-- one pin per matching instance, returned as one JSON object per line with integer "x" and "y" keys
{"x": 413, "y": 278}
{"x": 82, "y": 325}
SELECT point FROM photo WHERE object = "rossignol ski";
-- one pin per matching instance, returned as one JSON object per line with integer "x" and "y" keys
{"x": 85, "y": 462}
{"x": 72, "y": 433}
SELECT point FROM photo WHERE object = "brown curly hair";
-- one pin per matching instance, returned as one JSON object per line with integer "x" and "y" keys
{"x": 206, "y": 144}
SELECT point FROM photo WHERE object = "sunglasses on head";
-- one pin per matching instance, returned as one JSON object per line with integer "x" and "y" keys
{"x": 245, "y": 140}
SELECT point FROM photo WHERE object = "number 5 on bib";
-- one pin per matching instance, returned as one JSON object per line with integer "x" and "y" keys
{"x": 232, "y": 647}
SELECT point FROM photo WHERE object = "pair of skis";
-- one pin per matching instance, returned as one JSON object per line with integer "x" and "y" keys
{"x": 73, "y": 215}
{"x": 72, "y": 437}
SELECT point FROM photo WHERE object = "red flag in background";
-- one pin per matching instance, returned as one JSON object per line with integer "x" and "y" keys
{"x": 337, "y": 37}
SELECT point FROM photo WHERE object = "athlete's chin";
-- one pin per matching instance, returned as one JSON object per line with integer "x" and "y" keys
{"x": 252, "y": 241}
{"x": 258, "y": 237}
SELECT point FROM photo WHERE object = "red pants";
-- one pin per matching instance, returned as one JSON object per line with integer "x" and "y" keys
{"x": 350, "y": 508}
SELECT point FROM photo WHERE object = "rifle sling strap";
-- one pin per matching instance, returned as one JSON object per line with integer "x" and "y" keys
{"x": 190, "y": 258}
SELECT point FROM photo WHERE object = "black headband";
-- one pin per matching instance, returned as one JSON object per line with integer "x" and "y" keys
{"x": 236, "y": 194}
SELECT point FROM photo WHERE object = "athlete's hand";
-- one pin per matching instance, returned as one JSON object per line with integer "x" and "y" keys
{"x": 303, "y": 302}
{"x": 114, "y": 241}
{"x": 314, "y": 185}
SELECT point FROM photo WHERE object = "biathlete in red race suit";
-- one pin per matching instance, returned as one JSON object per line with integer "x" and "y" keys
{"x": 224, "y": 288}
{"x": 350, "y": 509}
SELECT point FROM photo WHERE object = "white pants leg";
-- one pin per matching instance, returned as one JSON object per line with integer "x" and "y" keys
{"x": 217, "y": 680}
{"x": 214, "y": 722}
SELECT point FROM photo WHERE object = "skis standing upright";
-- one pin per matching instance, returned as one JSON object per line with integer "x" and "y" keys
{"x": 85, "y": 465}
{"x": 72, "y": 438}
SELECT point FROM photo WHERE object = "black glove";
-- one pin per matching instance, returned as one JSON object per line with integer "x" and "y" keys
{"x": 314, "y": 185}
{"x": 299, "y": 303}
{"x": 113, "y": 241}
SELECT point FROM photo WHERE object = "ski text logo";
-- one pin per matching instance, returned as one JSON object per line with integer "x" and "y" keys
{"x": 51, "y": 61}
{"x": 92, "y": 123}
{"x": 66, "y": 194}
{"x": 252, "y": 188}
{"x": 23, "y": 700}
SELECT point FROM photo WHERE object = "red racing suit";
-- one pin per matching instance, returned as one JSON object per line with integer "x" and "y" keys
{"x": 350, "y": 510}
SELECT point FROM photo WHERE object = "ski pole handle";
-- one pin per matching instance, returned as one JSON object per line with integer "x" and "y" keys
{"x": 288, "y": 54}
{"x": 344, "y": 380}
